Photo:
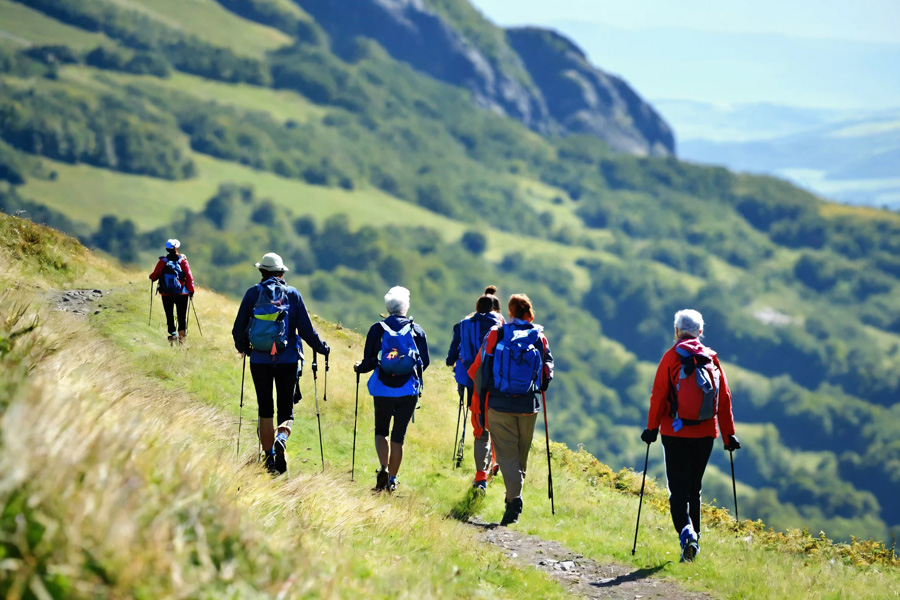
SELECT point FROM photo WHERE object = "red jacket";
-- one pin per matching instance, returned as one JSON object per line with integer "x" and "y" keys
{"x": 664, "y": 386}
{"x": 185, "y": 268}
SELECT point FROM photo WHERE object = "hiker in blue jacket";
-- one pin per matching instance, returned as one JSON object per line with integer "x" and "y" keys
{"x": 270, "y": 323}
{"x": 397, "y": 354}
{"x": 468, "y": 335}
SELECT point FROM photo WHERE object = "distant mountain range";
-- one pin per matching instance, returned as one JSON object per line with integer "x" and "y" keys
{"x": 852, "y": 156}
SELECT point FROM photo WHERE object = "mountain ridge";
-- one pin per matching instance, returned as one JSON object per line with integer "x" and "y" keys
{"x": 502, "y": 82}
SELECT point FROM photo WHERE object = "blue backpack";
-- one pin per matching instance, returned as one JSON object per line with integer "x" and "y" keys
{"x": 472, "y": 331}
{"x": 268, "y": 329}
{"x": 518, "y": 360}
{"x": 399, "y": 354}
{"x": 172, "y": 279}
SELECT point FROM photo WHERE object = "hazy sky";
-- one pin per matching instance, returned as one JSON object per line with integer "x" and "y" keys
{"x": 859, "y": 20}
{"x": 828, "y": 53}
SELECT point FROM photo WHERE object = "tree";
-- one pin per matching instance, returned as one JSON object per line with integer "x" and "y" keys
{"x": 475, "y": 242}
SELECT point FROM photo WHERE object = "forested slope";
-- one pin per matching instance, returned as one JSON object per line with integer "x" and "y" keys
{"x": 128, "y": 123}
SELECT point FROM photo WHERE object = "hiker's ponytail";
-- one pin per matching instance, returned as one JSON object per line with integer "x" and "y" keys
{"x": 520, "y": 307}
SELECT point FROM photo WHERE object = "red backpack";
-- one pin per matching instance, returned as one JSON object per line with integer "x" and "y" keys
{"x": 696, "y": 396}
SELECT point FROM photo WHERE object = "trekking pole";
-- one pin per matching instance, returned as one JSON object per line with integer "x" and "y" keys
{"x": 200, "y": 329}
{"x": 325, "y": 393}
{"x": 549, "y": 468}
{"x": 355, "y": 417}
{"x": 241, "y": 417}
{"x": 150, "y": 318}
{"x": 315, "y": 368}
{"x": 461, "y": 448}
{"x": 458, "y": 416}
{"x": 734, "y": 486}
{"x": 641, "y": 501}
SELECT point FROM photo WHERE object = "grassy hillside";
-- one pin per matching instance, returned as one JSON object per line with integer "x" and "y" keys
{"x": 364, "y": 174}
{"x": 149, "y": 443}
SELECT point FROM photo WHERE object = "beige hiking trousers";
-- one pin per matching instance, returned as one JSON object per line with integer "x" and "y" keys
{"x": 511, "y": 435}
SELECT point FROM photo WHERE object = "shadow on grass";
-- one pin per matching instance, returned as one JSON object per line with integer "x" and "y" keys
{"x": 629, "y": 577}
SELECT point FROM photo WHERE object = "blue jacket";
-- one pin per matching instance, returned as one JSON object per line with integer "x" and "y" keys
{"x": 483, "y": 323}
{"x": 369, "y": 362}
{"x": 299, "y": 327}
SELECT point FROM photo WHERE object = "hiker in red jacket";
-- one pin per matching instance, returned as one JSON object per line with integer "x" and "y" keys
{"x": 176, "y": 286}
{"x": 691, "y": 404}
{"x": 511, "y": 370}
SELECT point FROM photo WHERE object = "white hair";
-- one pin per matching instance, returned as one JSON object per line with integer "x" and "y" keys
{"x": 689, "y": 321}
{"x": 397, "y": 301}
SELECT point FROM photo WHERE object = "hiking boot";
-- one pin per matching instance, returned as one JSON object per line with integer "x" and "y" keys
{"x": 392, "y": 485}
{"x": 690, "y": 546}
{"x": 482, "y": 485}
{"x": 381, "y": 479}
{"x": 181, "y": 335}
{"x": 279, "y": 448}
{"x": 271, "y": 466}
{"x": 512, "y": 512}
{"x": 172, "y": 338}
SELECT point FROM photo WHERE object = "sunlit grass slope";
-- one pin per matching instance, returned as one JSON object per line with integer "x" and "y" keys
{"x": 132, "y": 486}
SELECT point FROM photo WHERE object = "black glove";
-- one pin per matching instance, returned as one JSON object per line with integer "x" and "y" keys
{"x": 357, "y": 367}
{"x": 732, "y": 443}
{"x": 325, "y": 349}
{"x": 243, "y": 348}
{"x": 649, "y": 436}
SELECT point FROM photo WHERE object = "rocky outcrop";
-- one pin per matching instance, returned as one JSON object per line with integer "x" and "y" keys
{"x": 414, "y": 35}
{"x": 534, "y": 75}
{"x": 584, "y": 99}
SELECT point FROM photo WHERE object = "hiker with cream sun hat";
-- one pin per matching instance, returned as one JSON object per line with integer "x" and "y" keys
{"x": 270, "y": 324}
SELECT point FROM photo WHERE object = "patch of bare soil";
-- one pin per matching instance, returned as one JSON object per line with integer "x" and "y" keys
{"x": 582, "y": 576}
{"x": 78, "y": 302}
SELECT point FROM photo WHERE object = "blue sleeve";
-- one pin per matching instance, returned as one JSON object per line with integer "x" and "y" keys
{"x": 242, "y": 320}
{"x": 422, "y": 345}
{"x": 302, "y": 324}
{"x": 373, "y": 347}
{"x": 453, "y": 352}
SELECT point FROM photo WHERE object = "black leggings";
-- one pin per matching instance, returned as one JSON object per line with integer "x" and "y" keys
{"x": 284, "y": 377}
{"x": 401, "y": 409}
{"x": 169, "y": 304}
{"x": 686, "y": 460}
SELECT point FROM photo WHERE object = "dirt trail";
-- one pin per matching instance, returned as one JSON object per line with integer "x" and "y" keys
{"x": 579, "y": 575}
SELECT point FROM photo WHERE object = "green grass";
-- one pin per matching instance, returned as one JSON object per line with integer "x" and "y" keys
{"x": 209, "y": 21}
{"x": 282, "y": 105}
{"x": 347, "y": 543}
{"x": 21, "y": 22}
{"x": 593, "y": 517}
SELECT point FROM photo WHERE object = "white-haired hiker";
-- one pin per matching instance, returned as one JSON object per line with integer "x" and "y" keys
{"x": 691, "y": 405}
{"x": 270, "y": 323}
{"x": 175, "y": 287}
{"x": 396, "y": 353}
